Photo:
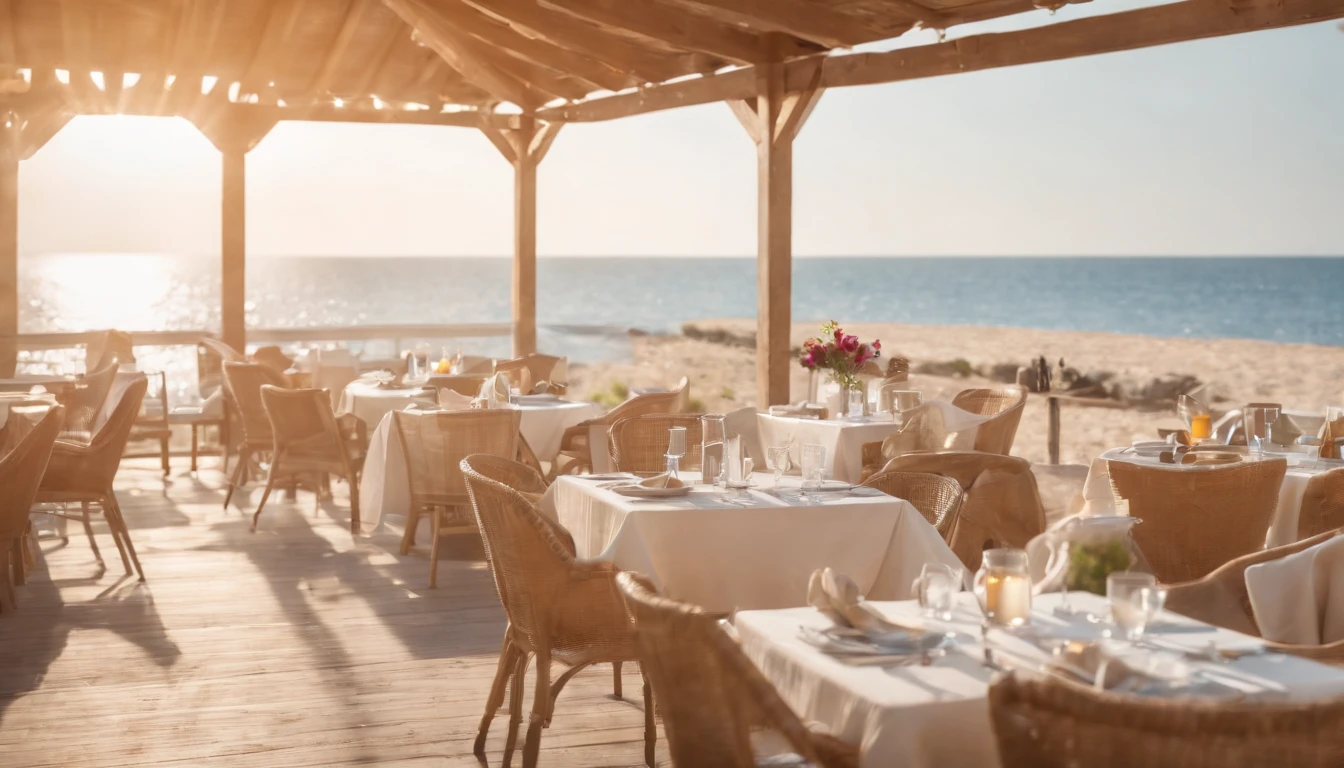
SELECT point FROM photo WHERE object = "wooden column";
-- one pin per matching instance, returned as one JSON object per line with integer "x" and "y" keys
{"x": 234, "y": 134}
{"x": 773, "y": 122}
{"x": 524, "y": 147}
{"x": 9, "y": 243}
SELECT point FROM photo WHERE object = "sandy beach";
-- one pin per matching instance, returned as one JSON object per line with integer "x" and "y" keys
{"x": 1234, "y": 371}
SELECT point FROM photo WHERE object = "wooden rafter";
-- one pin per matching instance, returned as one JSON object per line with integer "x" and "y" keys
{"x": 500, "y": 85}
{"x": 9, "y": 50}
{"x": 1145, "y": 27}
{"x": 538, "y": 52}
{"x": 272, "y": 44}
{"x": 803, "y": 19}
{"x": 39, "y": 130}
{"x": 564, "y": 31}
{"x": 927, "y": 17}
{"x": 371, "y": 75}
{"x": 349, "y": 26}
{"x": 677, "y": 29}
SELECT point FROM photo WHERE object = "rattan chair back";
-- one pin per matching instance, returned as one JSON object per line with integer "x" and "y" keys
{"x": 528, "y": 370}
{"x": 1005, "y": 405}
{"x": 1322, "y": 504}
{"x": 1195, "y": 520}
{"x": 434, "y": 444}
{"x": 243, "y": 382}
{"x": 639, "y": 443}
{"x": 90, "y": 395}
{"x": 936, "y": 497}
{"x": 1042, "y": 722}
{"x": 225, "y": 352}
{"x": 303, "y": 425}
{"x": 21, "y": 473}
{"x": 93, "y": 468}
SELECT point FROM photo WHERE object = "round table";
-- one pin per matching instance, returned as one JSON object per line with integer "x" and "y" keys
{"x": 371, "y": 402}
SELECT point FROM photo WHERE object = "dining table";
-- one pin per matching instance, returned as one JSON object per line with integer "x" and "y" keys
{"x": 384, "y": 487}
{"x": 935, "y": 713}
{"x": 728, "y": 549}
{"x": 1282, "y": 526}
{"x": 844, "y": 438}
{"x": 371, "y": 401}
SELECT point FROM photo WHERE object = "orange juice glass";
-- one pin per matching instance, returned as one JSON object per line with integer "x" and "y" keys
{"x": 1201, "y": 426}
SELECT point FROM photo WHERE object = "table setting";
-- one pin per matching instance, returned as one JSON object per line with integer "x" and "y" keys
{"x": 907, "y": 681}
{"x": 753, "y": 546}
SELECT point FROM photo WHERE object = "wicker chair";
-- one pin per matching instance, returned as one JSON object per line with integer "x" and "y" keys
{"x": 559, "y": 608}
{"x": 639, "y": 443}
{"x": 1221, "y": 599}
{"x": 1196, "y": 520}
{"x": 527, "y": 370}
{"x": 242, "y": 385}
{"x": 1052, "y": 723}
{"x": 308, "y": 441}
{"x": 576, "y": 455}
{"x": 936, "y": 497}
{"x": 710, "y": 695}
{"x": 1322, "y": 504}
{"x": 82, "y": 473}
{"x": 462, "y": 385}
{"x": 1005, "y": 404}
{"x": 152, "y": 423}
{"x": 434, "y": 444}
{"x": 1001, "y": 506}
{"x": 21, "y": 472}
{"x": 225, "y": 352}
{"x": 83, "y": 406}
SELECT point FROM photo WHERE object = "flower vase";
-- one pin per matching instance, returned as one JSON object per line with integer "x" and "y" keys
{"x": 854, "y": 399}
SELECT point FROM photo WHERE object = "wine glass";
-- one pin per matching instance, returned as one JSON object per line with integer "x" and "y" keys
{"x": 1258, "y": 423}
{"x": 778, "y": 460}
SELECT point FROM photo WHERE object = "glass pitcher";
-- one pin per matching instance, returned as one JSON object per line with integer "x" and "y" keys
{"x": 1003, "y": 587}
{"x": 713, "y": 435}
{"x": 1084, "y": 551}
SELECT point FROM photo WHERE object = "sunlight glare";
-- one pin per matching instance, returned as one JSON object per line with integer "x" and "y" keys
{"x": 129, "y": 79}
{"x": 208, "y": 84}
{"x": 338, "y": 103}
{"x": 108, "y": 290}
{"x": 234, "y": 88}
{"x": 63, "y": 76}
{"x": 97, "y": 78}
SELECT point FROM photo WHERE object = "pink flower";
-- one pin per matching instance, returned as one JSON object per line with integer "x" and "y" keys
{"x": 850, "y": 344}
{"x": 839, "y": 335}
{"x": 877, "y": 346}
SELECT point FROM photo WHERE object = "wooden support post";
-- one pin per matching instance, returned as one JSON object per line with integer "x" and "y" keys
{"x": 1053, "y": 444}
{"x": 524, "y": 147}
{"x": 9, "y": 243}
{"x": 773, "y": 122}
{"x": 234, "y": 133}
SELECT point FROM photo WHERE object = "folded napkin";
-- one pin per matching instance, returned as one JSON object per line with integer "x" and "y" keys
{"x": 1299, "y": 598}
{"x": 1088, "y": 662}
{"x": 454, "y": 401}
{"x": 495, "y": 391}
{"x": 1330, "y": 432}
{"x": 661, "y": 480}
{"x": 838, "y": 597}
{"x": 547, "y": 388}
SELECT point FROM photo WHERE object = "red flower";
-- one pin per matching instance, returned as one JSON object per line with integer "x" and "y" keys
{"x": 839, "y": 335}
{"x": 877, "y": 346}
{"x": 850, "y": 344}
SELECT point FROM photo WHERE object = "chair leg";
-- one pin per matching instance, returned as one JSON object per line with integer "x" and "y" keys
{"x": 541, "y": 708}
{"x": 353, "y": 482}
{"x": 235, "y": 479}
{"x": 515, "y": 706}
{"x": 270, "y": 485}
{"x": 616, "y": 679}
{"x": 88, "y": 531}
{"x": 502, "y": 674}
{"x": 163, "y": 456}
{"x": 8, "y": 600}
{"x": 124, "y": 531}
{"x": 412, "y": 523}
{"x": 436, "y": 518}
{"x": 18, "y": 560}
{"x": 650, "y": 730}
{"x": 195, "y": 444}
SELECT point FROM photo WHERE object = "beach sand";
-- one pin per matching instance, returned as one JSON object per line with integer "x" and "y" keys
{"x": 723, "y": 375}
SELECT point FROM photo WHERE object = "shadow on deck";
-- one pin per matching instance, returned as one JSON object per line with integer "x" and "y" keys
{"x": 293, "y": 646}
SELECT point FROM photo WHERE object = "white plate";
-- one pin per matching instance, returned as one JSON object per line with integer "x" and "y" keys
{"x": 640, "y": 492}
{"x": 544, "y": 398}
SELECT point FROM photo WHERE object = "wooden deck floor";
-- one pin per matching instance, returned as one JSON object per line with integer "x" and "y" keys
{"x": 294, "y": 646}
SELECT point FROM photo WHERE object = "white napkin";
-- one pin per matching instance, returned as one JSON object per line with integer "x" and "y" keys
{"x": 450, "y": 400}
{"x": 661, "y": 480}
{"x": 1299, "y": 598}
{"x": 560, "y": 372}
{"x": 732, "y": 458}
{"x": 495, "y": 390}
{"x": 837, "y": 596}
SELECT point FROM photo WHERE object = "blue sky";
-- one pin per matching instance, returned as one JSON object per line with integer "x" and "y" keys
{"x": 1225, "y": 146}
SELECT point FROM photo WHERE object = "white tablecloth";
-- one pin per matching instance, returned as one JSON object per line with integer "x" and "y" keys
{"x": 1282, "y": 527}
{"x": 843, "y": 440}
{"x": 371, "y": 403}
{"x": 704, "y": 550}
{"x": 383, "y": 487}
{"x": 938, "y": 716}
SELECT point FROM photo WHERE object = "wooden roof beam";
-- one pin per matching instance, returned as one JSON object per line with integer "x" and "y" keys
{"x": 271, "y": 45}
{"x": 565, "y": 31}
{"x": 674, "y": 28}
{"x": 349, "y": 26}
{"x": 9, "y": 49}
{"x": 369, "y": 79}
{"x": 819, "y": 23}
{"x": 1141, "y": 28}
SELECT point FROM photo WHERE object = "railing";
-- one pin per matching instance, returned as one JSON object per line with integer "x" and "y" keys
{"x": 396, "y": 333}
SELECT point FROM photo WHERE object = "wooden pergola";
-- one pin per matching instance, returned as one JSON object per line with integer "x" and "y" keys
{"x": 516, "y": 70}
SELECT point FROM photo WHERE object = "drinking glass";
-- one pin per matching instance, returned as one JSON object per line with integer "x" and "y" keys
{"x": 814, "y": 465}
{"x": 1196, "y": 417}
{"x": 412, "y": 366}
{"x": 1258, "y": 423}
{"x": 1135, "y": 600}
{"x": 894, "y": 400}
{"x": 856, "y": 397}
{"x": 778, "y": 459}
{"x": 937, "y": 587}
{"x": 676, "y": 448}
{"x": 713, "y": 434}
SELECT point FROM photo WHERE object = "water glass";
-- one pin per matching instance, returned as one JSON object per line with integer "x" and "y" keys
{"x": 937, "y": 587}
{"x": 1258, "y": 423}
{"x": 894, "y": 400}
{"x": 814, "y": 465}
{"x": 778, "y": 460}
{"x": 676, "y": 448}
{"x": 713, "y": 434}
{"x": 856, "y": 396}
{"x": 1135, "y": 600}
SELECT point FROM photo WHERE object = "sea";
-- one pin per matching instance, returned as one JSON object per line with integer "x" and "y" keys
{"x": 586, "y": 306}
